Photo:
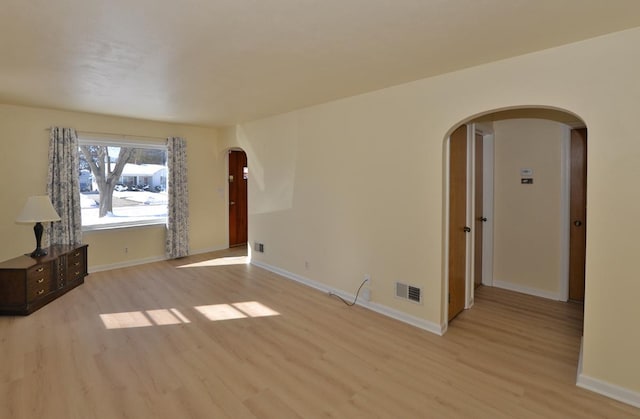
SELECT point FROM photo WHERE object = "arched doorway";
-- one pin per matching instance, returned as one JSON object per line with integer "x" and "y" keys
{"x": 523, "y": 182}
{"x": 238, "y": 214}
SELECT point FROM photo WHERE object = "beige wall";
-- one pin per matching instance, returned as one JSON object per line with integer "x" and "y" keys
{"x": 528, "y": 219}
{"x": 23, "y": 171}
{"x": 355, "y": 186}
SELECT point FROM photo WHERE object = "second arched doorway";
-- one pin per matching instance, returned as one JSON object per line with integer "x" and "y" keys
{"x": 523, "y": 182}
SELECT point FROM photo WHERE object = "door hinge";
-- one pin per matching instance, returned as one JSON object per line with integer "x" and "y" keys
{"x": 449, "y": 298}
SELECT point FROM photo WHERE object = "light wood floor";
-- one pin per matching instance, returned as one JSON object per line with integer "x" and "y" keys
{"x": 511, "y": 356}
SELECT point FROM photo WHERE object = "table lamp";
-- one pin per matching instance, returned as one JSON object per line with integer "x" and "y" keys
{"x": 38, "y": 209}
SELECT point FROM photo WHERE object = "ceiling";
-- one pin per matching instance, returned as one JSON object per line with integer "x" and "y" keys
{"x": 219, "y": 62}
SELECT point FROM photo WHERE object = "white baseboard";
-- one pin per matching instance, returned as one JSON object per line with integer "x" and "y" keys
{"x": 208, "y": 250}
{"x": 405, "y": 318}
{"x": 136, "y": 262}
{"x": 613, "y": 391}
{"x": 125, "y": 264}
{"x": 526, "y": 290}
{"x": 378, "y": 308}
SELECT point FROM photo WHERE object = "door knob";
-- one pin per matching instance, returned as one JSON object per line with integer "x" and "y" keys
{"x": 483, "y": 219}
{"x": 232, "y": 203}
{"x": 577, "y": 223}
{"x": 467, "y": 229}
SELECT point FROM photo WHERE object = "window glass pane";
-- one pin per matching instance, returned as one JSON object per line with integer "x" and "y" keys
{"x": 122, "y": 185}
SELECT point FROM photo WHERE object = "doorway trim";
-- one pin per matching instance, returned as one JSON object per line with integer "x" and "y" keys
{"x": 565, "y": 190}
{"x": 487, "y": 206}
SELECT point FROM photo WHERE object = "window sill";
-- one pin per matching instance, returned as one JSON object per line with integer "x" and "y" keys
{"x": 119, "y": 226}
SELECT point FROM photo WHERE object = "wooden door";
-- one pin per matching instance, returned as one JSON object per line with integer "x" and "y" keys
{"x": 479, "y": 216}
{"x": 578, "y": 214}
{"x": 457, "y": 219}
{"x": 238, "y": 173}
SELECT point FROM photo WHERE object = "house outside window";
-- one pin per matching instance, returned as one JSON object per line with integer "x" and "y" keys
{"x": 122, "y": 183}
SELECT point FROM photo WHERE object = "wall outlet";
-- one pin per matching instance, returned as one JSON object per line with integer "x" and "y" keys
{"x": 367, "y": 279}
{"x": 258, "y": 247}
{"x": 307, "y": 265}
{"x": 126, "y": 250}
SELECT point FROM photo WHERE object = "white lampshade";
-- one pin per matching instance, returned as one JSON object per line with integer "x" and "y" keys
{"x": 38, "y": 209}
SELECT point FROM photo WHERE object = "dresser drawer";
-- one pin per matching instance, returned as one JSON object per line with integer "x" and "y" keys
{"x": 37, "y": 292}
{"x": 38, "y": 281}
{"x": 38, "y": 288}
{"x": 38, "y": 274}
{"x": 76, "y": 258}
{"x": 76, "y": 265}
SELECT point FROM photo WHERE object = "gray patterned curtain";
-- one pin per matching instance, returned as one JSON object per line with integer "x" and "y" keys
{"x": 178, "y": 218}
{"x": 63, "y": 186}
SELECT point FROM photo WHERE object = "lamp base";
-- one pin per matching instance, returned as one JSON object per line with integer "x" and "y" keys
{"x": 38, "y": 253}
{"x": 38, "y": 229}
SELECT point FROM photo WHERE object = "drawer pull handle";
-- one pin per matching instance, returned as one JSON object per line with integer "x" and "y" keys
{"x": 77, "y": 272}
{"x": 40, "y": 269}
{"x": 77, "y": 264}
{"x": 40, "y": 281}
{"x": 77, "y": 254}
{"x": 41, "y": 292}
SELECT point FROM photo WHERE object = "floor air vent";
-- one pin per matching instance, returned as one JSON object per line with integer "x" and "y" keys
{"x": 408, "y": 292}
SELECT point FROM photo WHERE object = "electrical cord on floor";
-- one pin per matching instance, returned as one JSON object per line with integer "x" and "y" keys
{"x": 331, "y": 294}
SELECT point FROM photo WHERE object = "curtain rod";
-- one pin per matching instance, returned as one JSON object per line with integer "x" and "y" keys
{"x": 117, "y": 134}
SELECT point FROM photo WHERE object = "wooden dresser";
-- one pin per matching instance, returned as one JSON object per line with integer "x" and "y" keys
{"x": 27, "y": 284}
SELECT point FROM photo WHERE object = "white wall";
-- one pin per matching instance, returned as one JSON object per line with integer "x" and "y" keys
{"x": 528, "y": 218}
{"x": 355, "y": 186}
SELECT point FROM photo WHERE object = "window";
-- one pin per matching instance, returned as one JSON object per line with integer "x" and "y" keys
{"x": 122, "y": 183}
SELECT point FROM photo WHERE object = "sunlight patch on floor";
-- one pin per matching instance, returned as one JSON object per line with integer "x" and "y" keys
{"x": 216, "y": 312}
{"x": 131, "y": 319}
{"x": 163, "y": 317}
{"x": 173, "y": 316}
{"x": 125, "y": 320}
{"x": 224, "y": 261}
{"x": 255, "y": 309}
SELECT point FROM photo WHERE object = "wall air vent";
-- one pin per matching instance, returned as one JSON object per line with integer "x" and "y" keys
{"x": 408, "y": 292}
